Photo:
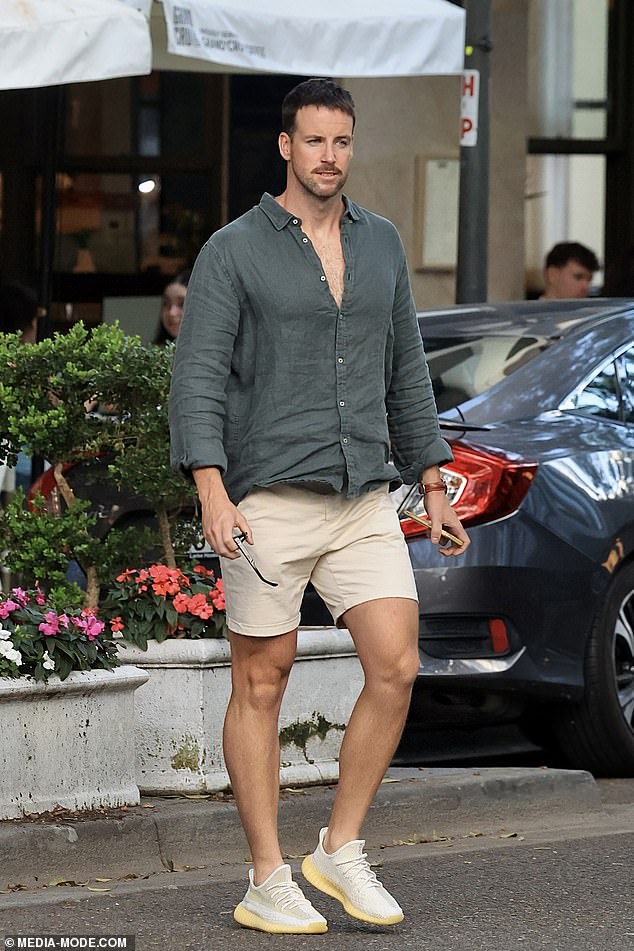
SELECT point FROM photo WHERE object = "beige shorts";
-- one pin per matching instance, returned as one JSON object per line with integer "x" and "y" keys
{"x": 352, "y": 550}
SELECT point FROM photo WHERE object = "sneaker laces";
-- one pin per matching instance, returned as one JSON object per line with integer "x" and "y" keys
{"x": 288, "y": 895}
{"x": 357, "y": 870}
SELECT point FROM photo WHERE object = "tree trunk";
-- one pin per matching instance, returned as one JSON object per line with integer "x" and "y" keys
{"x": 62, "y": 484}
{"x": 166, "y": 538}
{"x": 91, "y": 597}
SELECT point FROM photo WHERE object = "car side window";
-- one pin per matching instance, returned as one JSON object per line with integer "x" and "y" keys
{"x": 601, "y": 396}
{"x": 626, "y": 367}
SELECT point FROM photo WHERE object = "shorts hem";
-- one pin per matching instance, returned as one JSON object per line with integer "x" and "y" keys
{"x": 373, "y": 597}
{"x": 263, "y": 630}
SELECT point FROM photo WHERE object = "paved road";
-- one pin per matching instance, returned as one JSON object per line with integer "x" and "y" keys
{"x": 564, "y": 885}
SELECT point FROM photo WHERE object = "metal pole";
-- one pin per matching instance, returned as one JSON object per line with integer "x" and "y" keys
{"x": 52, "y": 120}
{"x": 473, "y": 214}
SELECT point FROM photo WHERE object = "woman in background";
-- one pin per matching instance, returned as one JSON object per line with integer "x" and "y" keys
{"x": 172, "y": 309}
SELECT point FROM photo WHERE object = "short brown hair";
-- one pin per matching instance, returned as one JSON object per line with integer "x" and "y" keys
{"x": 315, "y": 92}
{"x": 565, "y": 251}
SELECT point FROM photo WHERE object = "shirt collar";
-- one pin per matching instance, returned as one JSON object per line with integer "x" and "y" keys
{"x": 280, "y": 217}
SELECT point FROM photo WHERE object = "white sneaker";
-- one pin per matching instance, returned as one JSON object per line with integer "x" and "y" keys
{"x": 347, "y": 876}
{"x": 278, "y": 906}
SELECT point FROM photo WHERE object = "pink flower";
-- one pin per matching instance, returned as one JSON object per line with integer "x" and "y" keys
{"x": 20, "y": 595}
{"x": 91, "y": 626}
{"x": 6, "y": 607}
{"x": 50, "y": 625}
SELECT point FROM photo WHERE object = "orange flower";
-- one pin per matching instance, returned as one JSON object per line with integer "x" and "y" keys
{"x": 116, "y": 625}
{"x": 181, "y": 603}
{"x": 200, "y": 607}
{"x": 163, "y": 588}
{"x": 127, "y": 574}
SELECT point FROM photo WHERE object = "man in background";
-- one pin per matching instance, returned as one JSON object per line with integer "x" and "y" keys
{"x": 568, "y": 271}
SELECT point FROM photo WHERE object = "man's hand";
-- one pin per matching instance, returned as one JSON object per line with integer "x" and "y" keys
{"x": 441, "y": 513}
{"x": 220, "y": 517}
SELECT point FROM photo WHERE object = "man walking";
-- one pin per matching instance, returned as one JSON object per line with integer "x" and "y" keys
{"x": 299, "y": 375}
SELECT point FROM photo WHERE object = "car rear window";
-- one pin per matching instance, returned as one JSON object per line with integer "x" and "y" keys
{"x": 464, "y": 367}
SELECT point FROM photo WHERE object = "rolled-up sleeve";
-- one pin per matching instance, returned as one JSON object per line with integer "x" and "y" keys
{"x": 202, "y": 364}
{"x": 411, "y": 407}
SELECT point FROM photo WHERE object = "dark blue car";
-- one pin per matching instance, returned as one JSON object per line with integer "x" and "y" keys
{"x": 536, "y": 620}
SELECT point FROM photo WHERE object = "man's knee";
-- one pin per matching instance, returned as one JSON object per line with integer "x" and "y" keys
{"x": 259, "y": 677}
{"x": 402, "y": 671}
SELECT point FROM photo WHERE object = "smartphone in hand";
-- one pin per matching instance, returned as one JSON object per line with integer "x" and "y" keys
{"x": 427, "y": 523}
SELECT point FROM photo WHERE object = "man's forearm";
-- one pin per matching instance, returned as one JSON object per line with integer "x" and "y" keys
{"x": 209, "y": 484}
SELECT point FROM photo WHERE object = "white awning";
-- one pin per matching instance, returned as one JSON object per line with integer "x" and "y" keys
{"x": 329, "y": 38}
{"x": 46, "y": 42}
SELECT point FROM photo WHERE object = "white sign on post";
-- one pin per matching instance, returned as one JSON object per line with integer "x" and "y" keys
{"x": 469, "y": 107}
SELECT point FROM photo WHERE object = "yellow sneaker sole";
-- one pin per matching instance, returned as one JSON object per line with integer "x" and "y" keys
{"x": 249, "y": 919}
{"x": 312, "y": 874}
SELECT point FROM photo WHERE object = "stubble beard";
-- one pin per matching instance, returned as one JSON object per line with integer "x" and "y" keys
{"x": 322, "y": 191}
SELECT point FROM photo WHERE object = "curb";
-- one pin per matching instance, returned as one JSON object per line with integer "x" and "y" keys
{"x": 411, "y": 805}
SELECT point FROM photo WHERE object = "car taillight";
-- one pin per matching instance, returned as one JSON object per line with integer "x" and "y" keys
{"x": 481, "y": 487}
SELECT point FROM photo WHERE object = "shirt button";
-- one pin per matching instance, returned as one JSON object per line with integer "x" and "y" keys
{"x": 322, "y": 278}
{"x": 342, "y": 403}
{"x": 295, "y": 221}
{"x": 340, "y": 360}
{"x": 305, "y": 240}
{"x": 345, "y": 439}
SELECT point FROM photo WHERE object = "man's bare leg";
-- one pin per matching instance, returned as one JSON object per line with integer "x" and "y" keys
{"x": 385, "y": 633}
{"x": 260, "y": 669}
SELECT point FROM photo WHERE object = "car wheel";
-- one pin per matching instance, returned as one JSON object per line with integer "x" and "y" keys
{"x": 598, "y": 733}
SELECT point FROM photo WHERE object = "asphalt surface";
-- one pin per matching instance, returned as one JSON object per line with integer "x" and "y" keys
{"x": 558, "y": 883}
{"x": 163, "y": 834}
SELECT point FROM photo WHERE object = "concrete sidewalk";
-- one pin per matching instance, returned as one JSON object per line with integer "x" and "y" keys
{"x": 411, "y": 805}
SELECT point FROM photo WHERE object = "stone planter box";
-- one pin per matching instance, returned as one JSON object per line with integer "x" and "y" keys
{"x": 68, "y": 743}
{"x": 180, "y": 711}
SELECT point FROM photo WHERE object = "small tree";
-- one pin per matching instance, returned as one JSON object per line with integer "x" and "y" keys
{"x": 51, "y": 393}
{"x": 142, "y": 463}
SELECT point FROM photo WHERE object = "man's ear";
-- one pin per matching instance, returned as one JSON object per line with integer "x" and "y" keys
{"x": 284, "y": 145}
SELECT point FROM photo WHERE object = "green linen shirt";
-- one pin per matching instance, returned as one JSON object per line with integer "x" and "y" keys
{"x": 273, "y": 382}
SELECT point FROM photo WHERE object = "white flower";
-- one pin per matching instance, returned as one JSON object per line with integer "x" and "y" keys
{"x": 4, "y": 635}
{"x": 47, "y": 662}
{"x": 9, "y": 651}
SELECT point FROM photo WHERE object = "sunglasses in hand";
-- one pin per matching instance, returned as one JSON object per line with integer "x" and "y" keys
{"x": 243, "y": 548}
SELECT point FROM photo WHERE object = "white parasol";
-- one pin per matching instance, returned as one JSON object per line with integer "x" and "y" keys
{"x": 332, "y": 37}
{"x": 47, "y": 42}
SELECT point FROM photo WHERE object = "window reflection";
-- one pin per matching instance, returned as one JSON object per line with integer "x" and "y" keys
{"x": 601, "y": 397}
{"x": 124, "y": 223}
{"x": 627, "y": 382}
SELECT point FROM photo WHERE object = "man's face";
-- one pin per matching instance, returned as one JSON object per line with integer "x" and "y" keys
{"x": 571, "y": 280}
{"x": 319, "y": 151}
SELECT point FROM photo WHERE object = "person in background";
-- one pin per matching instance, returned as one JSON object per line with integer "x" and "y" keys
{"x": 172, "y": 309}
{"x": 18, "y": 311}
{"x": 568, "y": 271}
{"x": 18, "y": 314}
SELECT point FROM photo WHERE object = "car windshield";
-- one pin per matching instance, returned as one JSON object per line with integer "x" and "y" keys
{"x": 464, "y": 367}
